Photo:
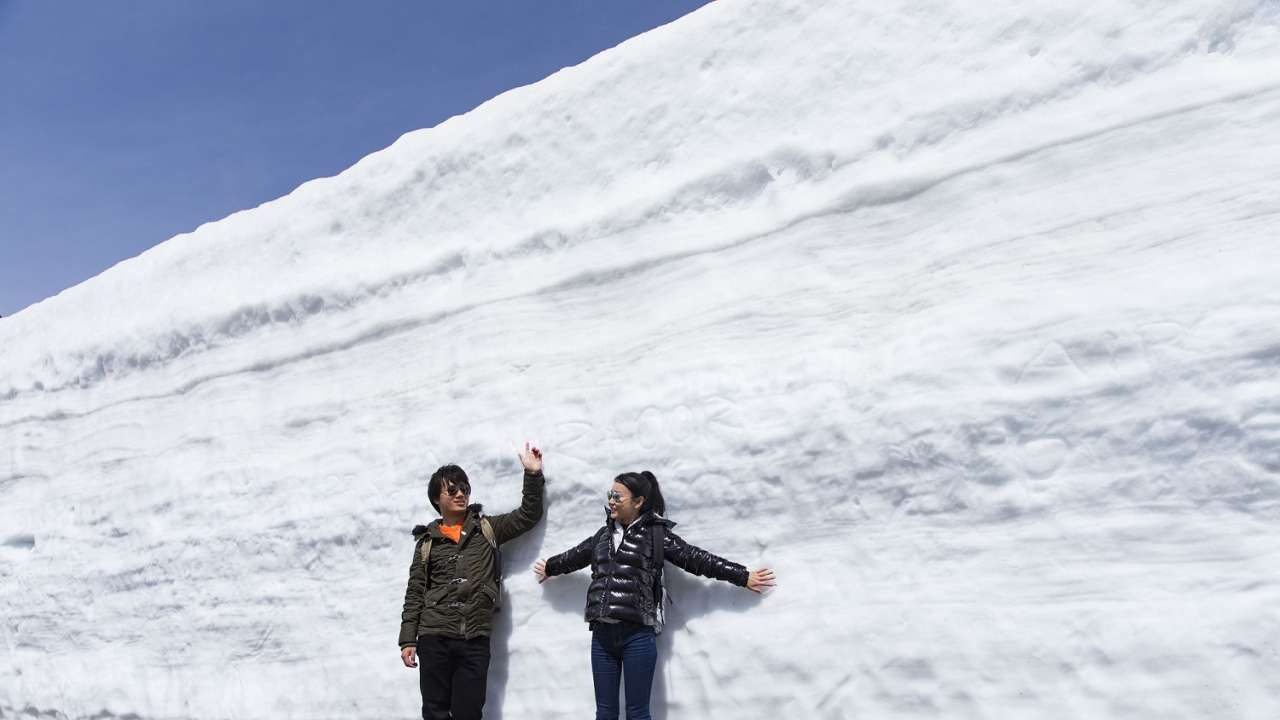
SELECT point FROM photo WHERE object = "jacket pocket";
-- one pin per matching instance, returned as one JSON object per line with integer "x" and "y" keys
{"x": 490, "y": 593}
{"x": 434, "y": 595}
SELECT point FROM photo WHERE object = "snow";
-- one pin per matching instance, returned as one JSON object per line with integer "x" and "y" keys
{"x": 962, "y": 317}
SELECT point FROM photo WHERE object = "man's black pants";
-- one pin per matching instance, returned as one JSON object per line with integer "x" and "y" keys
{"x": 452, "y": 674}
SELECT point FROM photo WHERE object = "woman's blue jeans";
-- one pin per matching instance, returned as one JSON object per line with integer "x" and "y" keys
{"x": 618, "y": 651}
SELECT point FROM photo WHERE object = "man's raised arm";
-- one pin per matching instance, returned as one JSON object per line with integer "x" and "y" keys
{"x": 519, "y": 521}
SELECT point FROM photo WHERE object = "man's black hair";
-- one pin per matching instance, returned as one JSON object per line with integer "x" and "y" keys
{"x": 450, "y": 476}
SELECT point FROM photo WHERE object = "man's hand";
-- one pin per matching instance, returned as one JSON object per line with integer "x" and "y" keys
{"x": 409, "y": 655}
{"x": 540, "y": 570}
{"x": 531, "y": 458}
{"x": 760, "y": 579}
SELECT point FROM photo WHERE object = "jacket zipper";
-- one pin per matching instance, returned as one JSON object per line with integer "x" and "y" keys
{"x": 462, "y": 628}
{"x": 608, "y": 579}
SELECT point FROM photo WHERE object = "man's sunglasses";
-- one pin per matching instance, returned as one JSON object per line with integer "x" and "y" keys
{"x": 451, "y": 490}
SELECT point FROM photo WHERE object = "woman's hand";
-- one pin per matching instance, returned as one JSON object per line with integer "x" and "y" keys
{"x": 409, "y": 655}
{"x": 540, "y": 571}
{"x": 760, "y": 579}
{"x": 531, "y": 458}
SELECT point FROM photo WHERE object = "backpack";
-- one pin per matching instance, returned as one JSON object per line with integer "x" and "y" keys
{"x": 486, "y": 529}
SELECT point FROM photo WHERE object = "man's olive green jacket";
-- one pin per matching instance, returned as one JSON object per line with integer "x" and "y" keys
{"x": 454, "y": 592}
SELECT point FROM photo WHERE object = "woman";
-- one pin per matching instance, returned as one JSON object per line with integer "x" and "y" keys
{"x": 624, "y": 600}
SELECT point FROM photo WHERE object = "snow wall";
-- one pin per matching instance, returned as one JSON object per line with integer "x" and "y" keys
{"x": 962, "y": 317}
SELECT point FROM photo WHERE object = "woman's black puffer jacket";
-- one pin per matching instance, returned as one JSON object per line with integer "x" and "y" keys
{"x": 623, "y": 581}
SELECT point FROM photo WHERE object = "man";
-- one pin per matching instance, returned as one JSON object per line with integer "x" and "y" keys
{"x": 454, "y": 589}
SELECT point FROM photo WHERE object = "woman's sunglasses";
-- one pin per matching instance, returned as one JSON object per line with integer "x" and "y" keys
{"x": 615, "y": 496}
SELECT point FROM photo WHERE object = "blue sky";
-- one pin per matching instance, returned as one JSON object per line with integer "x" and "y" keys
{"x": 125, "y": 123}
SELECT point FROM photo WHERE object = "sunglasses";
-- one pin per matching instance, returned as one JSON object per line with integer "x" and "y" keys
{"x": 452, "y": 490}
{"x": 615, "y": 496}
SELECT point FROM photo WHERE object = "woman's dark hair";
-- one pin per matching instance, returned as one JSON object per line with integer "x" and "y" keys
{"x": 644, "y": 484}
{"x": 451, "y": 474}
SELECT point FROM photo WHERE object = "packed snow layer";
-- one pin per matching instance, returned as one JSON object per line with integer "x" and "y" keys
{"x": 962, "y": 317}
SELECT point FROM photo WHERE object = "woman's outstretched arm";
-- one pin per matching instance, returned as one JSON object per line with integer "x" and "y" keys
{"x": 695, "y": 560}
{"x": 566, "y": 562}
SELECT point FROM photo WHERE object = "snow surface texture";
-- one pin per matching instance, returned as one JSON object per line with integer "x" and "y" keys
{"x": 963, "y": 317}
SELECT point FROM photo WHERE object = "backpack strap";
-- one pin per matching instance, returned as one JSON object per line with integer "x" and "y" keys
{"x": 486, "y": 529}
{"x": 659, "y": 545}
{"x": 424, "y": 550}
{"x": 659, "y": 532}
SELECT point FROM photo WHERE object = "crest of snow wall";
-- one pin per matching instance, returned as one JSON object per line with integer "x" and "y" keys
{"x": 961, "y": 319}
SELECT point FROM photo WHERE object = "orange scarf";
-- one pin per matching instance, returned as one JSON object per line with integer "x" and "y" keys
{"x": 453, "y": 532}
